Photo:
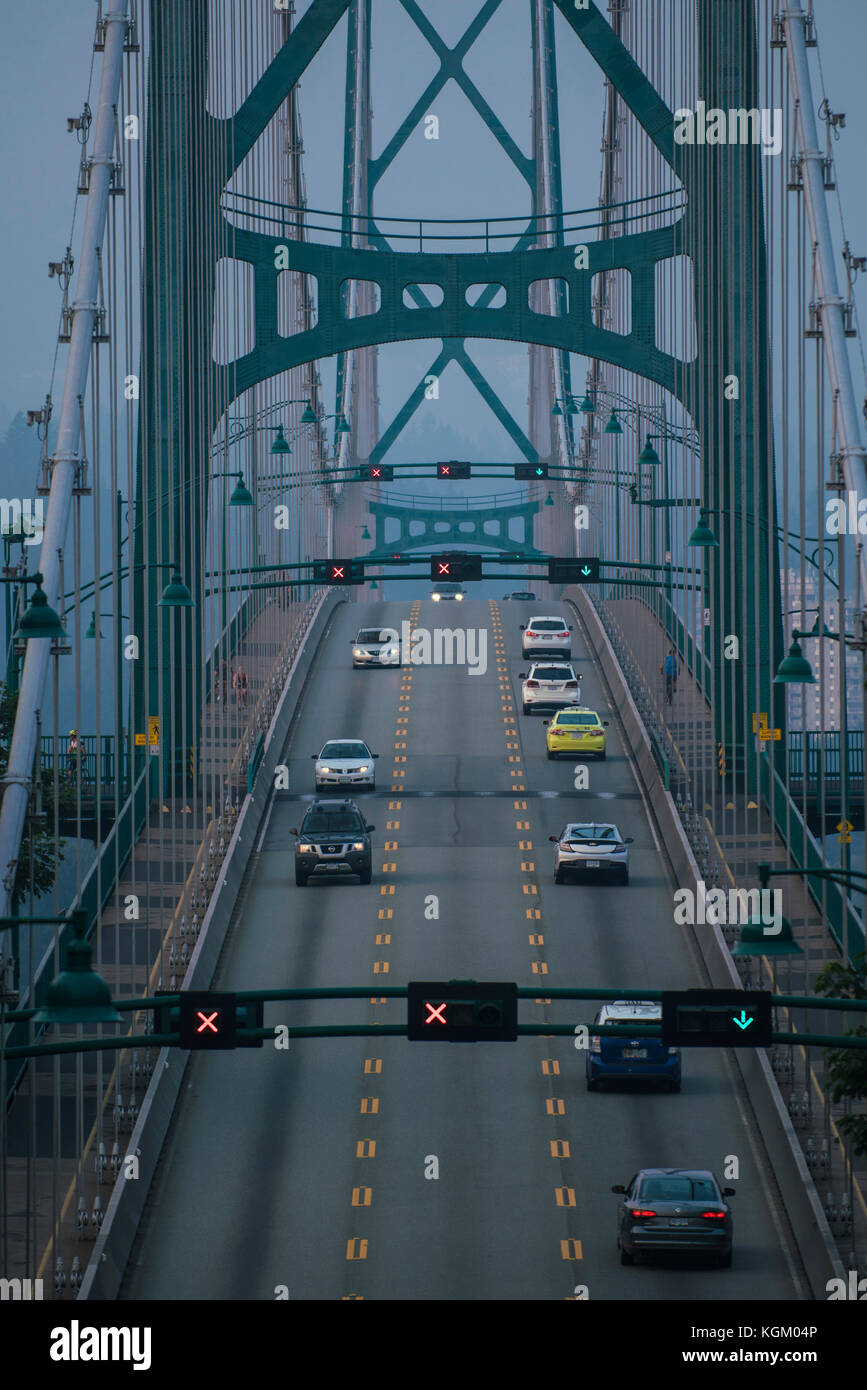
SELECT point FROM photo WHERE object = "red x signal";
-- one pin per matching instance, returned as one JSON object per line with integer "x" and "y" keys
{"x": 337, "y": 572}
{"x": 207, "y": 1021}
{"x": 443, "y": 567}
{"x": 376, "y": 472}
{"x": 444, "y": 470}
{"x": 435, "y": 1015}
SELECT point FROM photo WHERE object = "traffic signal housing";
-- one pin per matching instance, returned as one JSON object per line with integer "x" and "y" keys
{"x": 461, "y": 1011}
{"x": 526, "y": 472}
{"x": 339, "y": 571}
{"x": 716, "y": 1018}
{"x": 582, "y": 571}
{"x": 453, "y": 469}
{"x": 455, "y": 566}
{"x": 207, "y": 1021}
{"x": 376, "y": 473}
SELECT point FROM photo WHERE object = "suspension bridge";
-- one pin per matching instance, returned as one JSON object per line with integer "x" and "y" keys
{"x": 684, "y": 395}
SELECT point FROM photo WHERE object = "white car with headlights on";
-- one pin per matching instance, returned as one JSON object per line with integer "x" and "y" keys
{"x": 344, "y": 762}
{"x": 376, "y": 646}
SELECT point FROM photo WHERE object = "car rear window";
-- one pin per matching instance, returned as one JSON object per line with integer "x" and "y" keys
{"x": 548, "y": 625}
{"x": 572, "y": 717}
{"x": 331, "y": 823}
{"x": 553, "y": 673}
{"x": 344, "y": 750}
{"x": 591, "y": 832}
{"x": 678, "y": 1190}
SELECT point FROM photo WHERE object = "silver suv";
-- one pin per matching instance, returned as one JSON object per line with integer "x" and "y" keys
{"x": 549, "y": 685}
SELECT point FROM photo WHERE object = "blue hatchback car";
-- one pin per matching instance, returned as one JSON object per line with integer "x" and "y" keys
{"x": 633, "y": 1058}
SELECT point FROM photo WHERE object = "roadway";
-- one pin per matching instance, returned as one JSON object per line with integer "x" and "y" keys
{"x": 304, "y": 1169}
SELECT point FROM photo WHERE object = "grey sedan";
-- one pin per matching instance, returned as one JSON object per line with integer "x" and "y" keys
{"x": 671, "y": 1209}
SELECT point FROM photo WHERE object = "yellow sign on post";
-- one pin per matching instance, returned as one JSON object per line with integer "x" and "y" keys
{"x": 154, "y": 733}
{"x": 141, "y": 740}
{"x": 845, "y": 826}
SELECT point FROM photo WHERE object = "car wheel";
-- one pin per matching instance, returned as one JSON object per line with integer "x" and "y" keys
{"x": 592, "y": 1085}
{"x": 300, "y": 880}
{"x": 725, "y": 1261}
{"x": 525, "y": 709}
{"x": 624, "y": 877}
{"x": 558, "y": 878}
{"x": 365, "y": 875}
{"x": 602, "y": 756}
{"x": 625, "y": 1257}
{"x": 674, "y": 1086}
{"x": 550, "y": 756}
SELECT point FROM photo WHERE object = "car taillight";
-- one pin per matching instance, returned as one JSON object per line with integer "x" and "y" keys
{"x": 595, "y": 1043}
{"x": 532, "y": 685}
{"x": 714, "y": 1215}
{"x": 638, "y": 1215}
{"x": 571, "y": 685}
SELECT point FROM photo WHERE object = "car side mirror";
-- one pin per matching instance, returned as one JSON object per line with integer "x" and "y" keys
{"x": 553, "y": 839}
{"x": 374, "y": 755}
{"x": 618, "y": 1187}
{"x": 545, "y": 723}
{"x": 522, "y": 675}
{"x": 314, "y": 755}
{"x": 523, "y": 627}
{"x": 629, "y": 840}
{"x": 729, "y": 1192}
{"x": 368, "y": 828}
{"x": 293, "y": 831}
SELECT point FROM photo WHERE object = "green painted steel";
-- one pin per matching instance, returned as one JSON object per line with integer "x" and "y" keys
{"x": 455, "y": 525}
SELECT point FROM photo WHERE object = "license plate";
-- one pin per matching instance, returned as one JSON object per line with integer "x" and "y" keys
{"x": 634, "y": 1052}
{"x": 678, "y": 1221}
{"x": 576, "y": 735}
{"x": 591, "y": 863}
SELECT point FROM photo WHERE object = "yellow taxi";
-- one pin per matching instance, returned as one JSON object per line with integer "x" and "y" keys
{"x": 575, "y": 730}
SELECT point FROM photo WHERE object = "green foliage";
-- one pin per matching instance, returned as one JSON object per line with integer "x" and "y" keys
{"x": 39, "y": 853}
{"x": 847, "y": 1067}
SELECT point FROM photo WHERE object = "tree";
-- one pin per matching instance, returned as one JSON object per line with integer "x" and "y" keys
{"x": 847, "y": 1067}
{"x": 39, "y": 852}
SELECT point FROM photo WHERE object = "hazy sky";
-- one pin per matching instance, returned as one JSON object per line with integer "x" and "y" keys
{"x": 45, "y": 57}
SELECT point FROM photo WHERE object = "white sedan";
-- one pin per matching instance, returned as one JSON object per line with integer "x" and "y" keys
{"x": 344, "y": 762}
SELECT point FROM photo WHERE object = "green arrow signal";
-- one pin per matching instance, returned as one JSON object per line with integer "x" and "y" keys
{"x": 539, "y": 472}
{"x": 586, "y": 569}
{"x": 743, "y": 1021}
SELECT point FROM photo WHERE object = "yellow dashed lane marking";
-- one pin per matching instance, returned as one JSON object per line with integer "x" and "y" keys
{"x": 394, "y": 805}
{"x": 571, "y": 1250}
{"x": 533, "y": 912}
{"x": 372, "y": 1066}
{"x": 525, "y": 844}
{"x": 390, "y": 844}
{"x": 380, "y": 967}
{"x": 539, "y": 967}
{"x": 389, "y": 868}
{"x": 530, "y": 888}
{"x": 538, "y": 1001}
{"x": 550, "y": 1066}
{"x": 527, "y": 866}
{"x": 554, "y": 1106}
{"x": 536, "y": 939}
{"x": 386, "y": 889}
{"x": 392, "y": 825}
{"x": 369, "y": 1105}
{"x": 564, "y": 1196}
{"x": 384, "y": 938}
{"x": 382, "y": 1001}
{"x": 361, "y": 1196}
{"x": 356, "y": 1249}
{"x": 560, "y": 1148}
{"x": 384, "y": 914}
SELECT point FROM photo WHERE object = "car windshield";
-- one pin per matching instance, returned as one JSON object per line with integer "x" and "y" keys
{"x": 548, "y": 625}
{"x": 553, "y": 673}
{"x": 573, "y": 717}
{"x": 446, "y": 588}
{"x": 373, "y": 634}
{"x": 332, "y": 823}
{"x": 345, "y": 750}
{"x": 678, "y": 1189}
{"x": 591, "y": 832}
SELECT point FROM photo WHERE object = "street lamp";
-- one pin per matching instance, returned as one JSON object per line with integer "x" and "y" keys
{"x": 703, "y": 537}
{"x": 281, "y": 444}
{"x": 175, "y": 594}
{"x": 612, "y": 424}
{"x": 569, "y": 406}
{"x": 78, "y": 994}
{"x": 40, "y": 619}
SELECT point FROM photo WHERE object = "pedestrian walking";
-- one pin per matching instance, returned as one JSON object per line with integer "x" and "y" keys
{"x": 239, "y": 685}
{"x": 73, "y": 754}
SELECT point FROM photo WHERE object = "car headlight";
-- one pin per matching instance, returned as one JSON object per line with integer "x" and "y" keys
{"x": 305, "y": 849}
{"x": 359, "y": 844}
{"x": 323, "y": 769}
{"x": 365, "y": 768}
{"x": 356, "y": 651}
{"x": 459, "y": 598}
{"x": 435, "y": 597}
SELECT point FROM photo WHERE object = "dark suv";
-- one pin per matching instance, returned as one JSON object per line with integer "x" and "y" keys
{"x": 333, "y": 842}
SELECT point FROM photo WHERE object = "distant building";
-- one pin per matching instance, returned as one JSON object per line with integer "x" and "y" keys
{"x": 819, "y": 706}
